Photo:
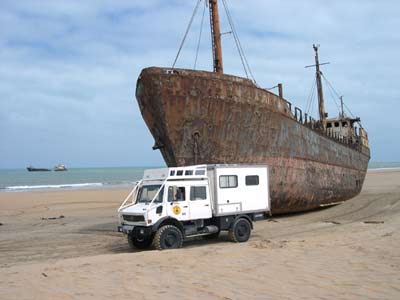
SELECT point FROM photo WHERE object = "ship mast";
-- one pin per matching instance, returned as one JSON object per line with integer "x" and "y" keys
{"x": 341, "y": 107}
{"x": 216, "y": 36}
{"x": 321, "y": 105}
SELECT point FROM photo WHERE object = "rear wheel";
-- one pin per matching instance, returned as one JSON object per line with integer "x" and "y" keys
{"x": 168, "y": 237}
{"x": 139, "y": 243}
{"x": 240, "y": 231}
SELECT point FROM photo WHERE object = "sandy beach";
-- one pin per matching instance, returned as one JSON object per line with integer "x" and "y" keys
{"x": 64, "y": 245}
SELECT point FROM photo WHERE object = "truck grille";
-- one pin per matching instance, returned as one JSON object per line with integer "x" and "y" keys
{"x": 133, "y": 218}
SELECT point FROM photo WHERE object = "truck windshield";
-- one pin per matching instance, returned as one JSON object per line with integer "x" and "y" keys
{"x": 147, "y": 193}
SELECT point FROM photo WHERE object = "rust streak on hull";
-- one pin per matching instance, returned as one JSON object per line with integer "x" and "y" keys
{"x": 200, "y": 117}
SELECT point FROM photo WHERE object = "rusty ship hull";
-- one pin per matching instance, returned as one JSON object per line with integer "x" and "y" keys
{"x": 199, "y": 117}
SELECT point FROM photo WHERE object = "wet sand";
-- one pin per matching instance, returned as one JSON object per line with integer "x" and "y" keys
{"x": 350, "y": 251}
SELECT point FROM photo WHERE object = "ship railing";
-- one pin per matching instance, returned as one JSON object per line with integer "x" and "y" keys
{"x": 310, "y": 121}
{"x": 304, "y": 119}
{"x": 351, "y": 141}
{"x": 298, "y": 114}
{"x": 288, "y": 106}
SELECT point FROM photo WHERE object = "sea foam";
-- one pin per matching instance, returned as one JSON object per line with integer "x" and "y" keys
{"x": 52, "y": 186}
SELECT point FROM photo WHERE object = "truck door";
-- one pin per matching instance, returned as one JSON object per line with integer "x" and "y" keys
{"x": 229, "y": 195}
{"x": 178, "y": 203}
{"x": 199, "y": 204}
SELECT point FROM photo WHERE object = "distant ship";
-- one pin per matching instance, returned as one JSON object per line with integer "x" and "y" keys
{"x": 32, "y": 169}
{"x": 60, "y": 168}
{"x": 199, "y": 117}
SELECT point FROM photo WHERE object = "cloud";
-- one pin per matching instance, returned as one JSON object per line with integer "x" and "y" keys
{"x": 69, "y": 69}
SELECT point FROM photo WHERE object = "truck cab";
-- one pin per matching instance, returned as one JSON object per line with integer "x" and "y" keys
{"x": 172, "y": 204}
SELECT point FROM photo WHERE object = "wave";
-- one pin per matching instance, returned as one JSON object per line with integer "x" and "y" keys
{"x": 384, "y": 169}
{"x": 52, "y": 186}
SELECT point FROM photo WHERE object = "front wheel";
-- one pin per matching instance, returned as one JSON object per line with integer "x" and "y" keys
{"x": 168, "y": 237}
{"x": 139, "y": 243}
{"x": 240, "y": 231}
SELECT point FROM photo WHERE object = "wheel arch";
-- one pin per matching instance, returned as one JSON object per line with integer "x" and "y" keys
{"x": 247, "y": 217}
{"x": 168, "y": 221}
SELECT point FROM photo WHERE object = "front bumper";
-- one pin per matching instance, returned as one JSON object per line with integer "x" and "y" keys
{"x": 136, "y": 231}
{"x": 125, "y": 228}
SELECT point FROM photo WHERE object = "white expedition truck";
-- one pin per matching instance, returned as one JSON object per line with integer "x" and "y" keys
{"x": 171, "y": 204}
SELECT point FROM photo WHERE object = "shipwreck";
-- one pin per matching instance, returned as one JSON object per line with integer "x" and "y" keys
{"x": 201, "y": 117}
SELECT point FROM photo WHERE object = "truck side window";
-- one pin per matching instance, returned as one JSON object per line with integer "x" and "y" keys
{"x": 252, "y": 180}
{"x": 228, "y": 181}
{"x": 198, "y": 193}
{"x": 176, "y": 193}
{"x": 200, "y": 172}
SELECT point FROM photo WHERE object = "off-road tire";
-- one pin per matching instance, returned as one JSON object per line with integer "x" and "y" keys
{"x": 240, "y": 231}
{"x": 135, "y": 243}
{"x": 168, "y": 237}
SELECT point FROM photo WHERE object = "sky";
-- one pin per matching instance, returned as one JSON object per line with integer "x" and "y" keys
{"x": 68, "y": 69}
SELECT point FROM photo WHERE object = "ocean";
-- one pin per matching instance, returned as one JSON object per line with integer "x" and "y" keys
{"x": 22, "y": 180}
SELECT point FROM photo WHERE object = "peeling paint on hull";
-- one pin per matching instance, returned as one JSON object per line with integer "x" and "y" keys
{"x": 200, "y": 117}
